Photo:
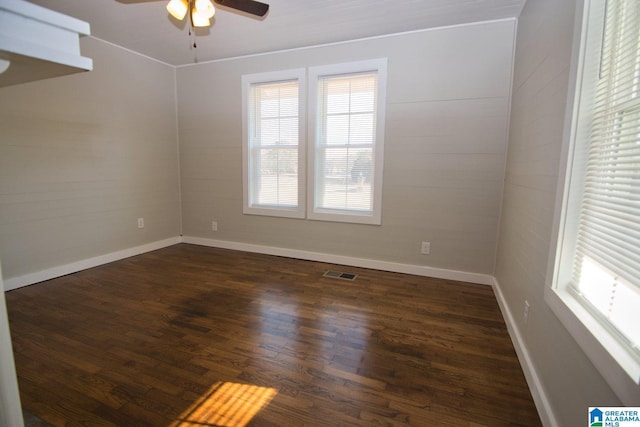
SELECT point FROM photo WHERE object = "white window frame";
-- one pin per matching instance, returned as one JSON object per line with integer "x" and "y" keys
{"x": 308, "y": 99}
{"x": 264, "y": 78}
{"x": 613, "y": 360}
{"x": 353, "y": 216}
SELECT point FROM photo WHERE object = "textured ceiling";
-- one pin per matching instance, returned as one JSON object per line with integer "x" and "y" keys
{"x": 147, "y": 28}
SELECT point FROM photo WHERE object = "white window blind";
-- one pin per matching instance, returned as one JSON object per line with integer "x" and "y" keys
{"x": 345, "y": 149}
{"x": 347, "y": 113}
{"x": 606, "y": 271}
{"x": 273, "y": 153}
{"x": 341, "y": 179}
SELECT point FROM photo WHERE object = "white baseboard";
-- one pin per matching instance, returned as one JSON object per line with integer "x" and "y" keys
{"x": 533, "y": 380}
{"x": 418, "y": 270}
{"x": 538, "y": 393}
{"x": 51, "y": 273}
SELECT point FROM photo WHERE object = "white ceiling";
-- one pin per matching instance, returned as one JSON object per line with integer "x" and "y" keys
{"x": 147, "y": 28}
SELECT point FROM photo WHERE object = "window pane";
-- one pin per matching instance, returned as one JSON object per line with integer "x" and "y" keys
{"x": 346, "y": 141}
{"x": 269, "y": 131}
{"x": 289, "y": 101}
{"x": 346, "y": 178}
{"x": 288, "y": 131}
{"x": 596, "y": 284}
{"x": 615, "y": 299}
{"x": 625, "y": 312}
{"x": 607, "y": 256}
{"x": 362, "y": 129}
{"x": 274, "y": 140}
{"x": 268, "y": 107}
{"x": 363, "y": 94}
{"x": 337, "y": 131}
{"x": 337, "y": 95}
{"x": 278, "y": 183}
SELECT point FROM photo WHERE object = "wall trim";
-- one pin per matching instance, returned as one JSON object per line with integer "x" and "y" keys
{"x": 540, "y": 397}
{"x": 10, "y": 406}
{"x": 117, "y": 46}
{"x": 51, "y": 273}
{"x": 417, "y": 270}
{"x": 343, "y": 42}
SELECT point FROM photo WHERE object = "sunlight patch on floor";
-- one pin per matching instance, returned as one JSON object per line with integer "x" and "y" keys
{"x": 226, "y": 405}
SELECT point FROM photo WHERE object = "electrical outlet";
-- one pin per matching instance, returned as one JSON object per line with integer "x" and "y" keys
{"x": 140, "y": 222}
{"x": 426, "y": 248}
{"x": 526, "y": 311}
{"x": 214, "y": 225}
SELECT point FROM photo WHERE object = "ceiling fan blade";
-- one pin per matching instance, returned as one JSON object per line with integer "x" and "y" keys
{"x": 250, "y": 6}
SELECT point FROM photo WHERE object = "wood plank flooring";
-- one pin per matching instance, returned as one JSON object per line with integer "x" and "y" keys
{"x": 195, "y": 336}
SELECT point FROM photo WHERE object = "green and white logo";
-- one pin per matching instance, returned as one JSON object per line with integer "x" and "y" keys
{"x": 614, "y": 416}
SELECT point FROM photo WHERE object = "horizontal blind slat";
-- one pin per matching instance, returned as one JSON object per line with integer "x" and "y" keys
{"x": 608, "y": 231}
{"x": 274, "y": 144}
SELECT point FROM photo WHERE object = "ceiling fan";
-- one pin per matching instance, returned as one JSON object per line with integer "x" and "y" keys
{"x": 201, "y": 11}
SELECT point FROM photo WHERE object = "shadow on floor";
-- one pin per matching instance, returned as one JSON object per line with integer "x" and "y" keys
{"x": 31, "y": 420}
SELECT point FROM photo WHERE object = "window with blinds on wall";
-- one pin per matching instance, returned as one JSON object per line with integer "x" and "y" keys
{"x": 606, "y": 267}
{"x": 273, "y": 152}
{"x": 341, "y": 178}
{"x": 274, "y": 146}
{"x": 346, "y": 141}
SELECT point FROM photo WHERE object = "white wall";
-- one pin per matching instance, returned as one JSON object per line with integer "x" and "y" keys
{"x": 447, "y": 113}
{"x": 82, "y": 157}
{"x": 541, "y": 79}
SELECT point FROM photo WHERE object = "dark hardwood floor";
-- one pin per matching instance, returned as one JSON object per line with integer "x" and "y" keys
{"x": 197, "y": 336}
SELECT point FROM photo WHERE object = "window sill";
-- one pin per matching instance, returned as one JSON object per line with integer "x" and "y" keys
{"x": 277, "y": 212}
{"x": 619, "y": 369}
{"x": 344, "y": 216}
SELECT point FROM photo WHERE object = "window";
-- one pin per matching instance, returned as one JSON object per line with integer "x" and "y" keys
{"x": 347, "y": 133}
{"x": 345, "y": 142}
{"x": 597, "y": 272}
{"x": 273, "y": 150}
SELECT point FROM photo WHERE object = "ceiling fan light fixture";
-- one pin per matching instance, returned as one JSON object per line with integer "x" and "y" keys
{"x": 178, "y": 8}
{"x": 201, "y": 11}
{"x": 198, "y": 19}
{"x": 205, "y": 8}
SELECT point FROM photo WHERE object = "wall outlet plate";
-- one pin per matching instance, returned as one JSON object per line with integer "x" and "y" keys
{"x": 426, "y": 248}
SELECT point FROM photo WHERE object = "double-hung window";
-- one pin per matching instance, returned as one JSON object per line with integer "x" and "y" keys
{"x": 273, "y": 149}
{"x": 596, "y": 285}
{"x": 346, "y": 137}
{"x": 340, "y": 178}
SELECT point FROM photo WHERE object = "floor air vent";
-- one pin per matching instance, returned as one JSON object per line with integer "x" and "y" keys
{"x": 340, "y": 275}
